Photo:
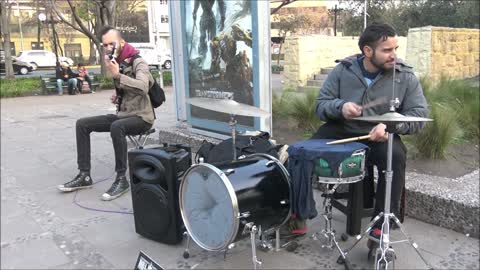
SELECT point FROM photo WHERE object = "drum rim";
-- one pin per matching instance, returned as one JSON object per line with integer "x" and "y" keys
{"x": 285, "y": 171}
{"x": 233, "y": 197}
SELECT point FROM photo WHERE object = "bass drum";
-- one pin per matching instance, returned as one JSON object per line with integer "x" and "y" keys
{"x": 217, "y": 200}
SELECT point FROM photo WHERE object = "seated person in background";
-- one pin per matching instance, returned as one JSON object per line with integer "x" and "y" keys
{"x": 65, "y": 75}
{"x": 83, "y": 76}
{"x": 361, "y": 79}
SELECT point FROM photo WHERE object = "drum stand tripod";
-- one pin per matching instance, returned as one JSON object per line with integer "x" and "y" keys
{"x": 385, "y": 254}
{"x": 328, "y": 232}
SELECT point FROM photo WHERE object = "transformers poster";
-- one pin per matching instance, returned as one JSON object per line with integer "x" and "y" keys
{"x": 219, "y": 53}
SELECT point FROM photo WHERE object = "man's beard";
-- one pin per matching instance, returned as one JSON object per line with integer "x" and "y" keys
{"x": 377, "y": 64}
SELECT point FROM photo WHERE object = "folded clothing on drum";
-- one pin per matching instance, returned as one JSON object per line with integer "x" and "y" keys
{"x": 302, "y": 158}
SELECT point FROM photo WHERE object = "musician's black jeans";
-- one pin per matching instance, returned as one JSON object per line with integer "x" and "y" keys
{"x": 377, "y": 155}
{"x": 118, "y": 128}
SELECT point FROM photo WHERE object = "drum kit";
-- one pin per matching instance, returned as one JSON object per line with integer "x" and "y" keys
{"x": 250, "y": 195}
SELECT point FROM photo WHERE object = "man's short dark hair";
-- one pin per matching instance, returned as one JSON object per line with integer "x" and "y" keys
{"x": 107, "y": 29}
{"x": 373, "y": 33}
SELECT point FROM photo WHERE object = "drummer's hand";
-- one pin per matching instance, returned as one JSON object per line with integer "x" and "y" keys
{"x": 378, "y": 133}
{"x": 351, "y": 110}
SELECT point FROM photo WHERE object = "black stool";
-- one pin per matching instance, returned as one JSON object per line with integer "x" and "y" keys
{"x": 140, "y": 139}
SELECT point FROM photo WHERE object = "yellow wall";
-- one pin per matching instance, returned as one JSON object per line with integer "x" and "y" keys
{"x": 307, "y": 55}
{"x": 48, "y": 44}
{"x": 443, "y": 51}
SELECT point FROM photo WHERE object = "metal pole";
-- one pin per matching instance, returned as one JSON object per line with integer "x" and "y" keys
{"x": 20, "y": 26}
{"x": 365, "y": 16}
{"x": 335, "y": 21}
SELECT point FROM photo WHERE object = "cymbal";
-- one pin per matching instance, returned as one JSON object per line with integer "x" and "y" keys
{"x": 391, "y": 117}
{"x": 227, "y": 106}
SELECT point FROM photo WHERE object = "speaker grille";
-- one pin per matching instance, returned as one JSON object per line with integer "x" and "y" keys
{"x": 151, "y": 213}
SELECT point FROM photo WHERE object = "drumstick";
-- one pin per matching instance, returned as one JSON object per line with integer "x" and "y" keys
{"x": 364, "y": 137}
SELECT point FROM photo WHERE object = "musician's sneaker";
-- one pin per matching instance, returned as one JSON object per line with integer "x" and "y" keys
{"x": 81, "y": 181}
{"x": 118, "y": 188}
{"x": 293, "y": 228}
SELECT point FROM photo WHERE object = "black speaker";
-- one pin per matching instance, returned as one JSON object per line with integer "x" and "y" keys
{"x": 155, "y": 175}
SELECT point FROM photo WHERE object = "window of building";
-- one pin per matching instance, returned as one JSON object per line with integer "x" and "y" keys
{"x": 36, "y": 46}
{"x": 164, "y": 19}
{"x": 163, "y": 2}
{"x": 73, "y": 50}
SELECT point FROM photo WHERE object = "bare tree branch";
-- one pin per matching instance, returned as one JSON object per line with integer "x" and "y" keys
{"x": 284, "y": 3}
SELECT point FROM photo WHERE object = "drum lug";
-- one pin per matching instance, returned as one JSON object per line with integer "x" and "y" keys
{"x": 269, "y": 163}
{"x": 229, "y": 171}
{"x": 244, "y": 215}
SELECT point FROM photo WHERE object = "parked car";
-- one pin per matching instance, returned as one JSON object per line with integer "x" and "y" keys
{"x": 41, "y": 58}
{"x": 155, "y": 56}
{"x": 20, "y": 67}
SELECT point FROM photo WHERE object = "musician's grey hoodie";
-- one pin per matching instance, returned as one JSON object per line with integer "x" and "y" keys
{"x": 346, "y": 83}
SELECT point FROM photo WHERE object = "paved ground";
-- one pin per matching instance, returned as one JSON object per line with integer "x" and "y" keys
{"x": 42, "y": 228}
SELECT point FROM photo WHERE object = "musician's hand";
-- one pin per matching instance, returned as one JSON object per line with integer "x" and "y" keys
{"x": 378, "y": 133}
{"x": 351, "y": 110}
{"x": 112, "y": 67}
{"x": 113, "y": 99}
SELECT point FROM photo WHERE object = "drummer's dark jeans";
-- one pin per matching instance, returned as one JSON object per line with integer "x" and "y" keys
{"x": 118, "y": 128}
{"x": 377, "y": 156}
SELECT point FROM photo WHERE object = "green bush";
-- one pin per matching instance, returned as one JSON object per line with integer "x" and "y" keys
{"x": 18, "y": 87}
{"x": 302, "y": 110}
{"x": 106, "y": 82}
{"x": 280, "y": 103}
{"x": 464, "y": 100}
{"x": 433, "y": 140}
{"x": 276, "y": 69}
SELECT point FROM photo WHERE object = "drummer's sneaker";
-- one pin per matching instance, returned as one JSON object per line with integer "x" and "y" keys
{"x": 294, "y": 227}
{"x": 81, "y": 181}
{"x": 118, "y": 188}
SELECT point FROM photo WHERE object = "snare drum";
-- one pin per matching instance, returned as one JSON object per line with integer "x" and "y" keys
{"x": 335, "y": 164}
{"x": 217, "y": 200}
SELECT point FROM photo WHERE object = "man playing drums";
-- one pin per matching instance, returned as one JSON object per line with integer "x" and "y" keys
{"x": 360, "y": 80}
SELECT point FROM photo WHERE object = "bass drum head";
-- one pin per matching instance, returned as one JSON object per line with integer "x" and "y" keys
{"x": 209, "y": 207}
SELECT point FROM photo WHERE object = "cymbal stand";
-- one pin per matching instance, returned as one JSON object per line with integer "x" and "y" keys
{"x": 233, "y": 127}
{"x": 385, "y": 254}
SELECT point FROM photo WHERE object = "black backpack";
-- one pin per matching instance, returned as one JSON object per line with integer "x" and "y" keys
{"x": 245, "y": 145}
{"x": 156, "y": 93}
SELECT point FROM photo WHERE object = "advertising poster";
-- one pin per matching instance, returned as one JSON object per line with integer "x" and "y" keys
{"x": 220, "y": 45}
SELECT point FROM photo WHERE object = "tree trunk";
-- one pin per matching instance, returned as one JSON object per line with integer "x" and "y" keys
{"x": 92, "y": 60}
{"x": 280, "y": 50}
{"x": 38, "y": 25}
{"x": 5, "y": 27}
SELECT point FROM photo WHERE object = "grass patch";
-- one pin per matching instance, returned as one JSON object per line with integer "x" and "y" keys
{"x": 167, "y": 77}
{"x": 464, "y": 100}
{"x": 19, "y": 87}
{"x": 276, "y": 69}
{"x": 280, "y": 103}
{"x": 302, "y": 110}
{"x": 106, "y": 82}
{"x": 432, "y": 141}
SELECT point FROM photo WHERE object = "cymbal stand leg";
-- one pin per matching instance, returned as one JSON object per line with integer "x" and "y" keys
{"x": 233, "y": 125}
